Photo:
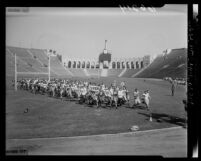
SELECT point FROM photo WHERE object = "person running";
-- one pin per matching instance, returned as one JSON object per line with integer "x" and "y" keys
{"x": 136, "y": 97}
{"x": 123, "y": 84}
{"x": 114, "y": 84}
{"x": 146, "y": 100}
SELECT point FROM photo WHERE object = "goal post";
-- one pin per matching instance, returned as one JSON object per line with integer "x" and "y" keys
{"x": 32, "y": 73}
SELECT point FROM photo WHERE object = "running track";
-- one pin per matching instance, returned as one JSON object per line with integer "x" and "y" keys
{"x": 168, "y": 142}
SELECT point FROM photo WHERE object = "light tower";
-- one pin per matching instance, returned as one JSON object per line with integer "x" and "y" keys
{"x": 105, "y": 49}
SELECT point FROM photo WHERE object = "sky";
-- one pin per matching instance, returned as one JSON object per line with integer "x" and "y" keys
{"x": 81, "y": 32}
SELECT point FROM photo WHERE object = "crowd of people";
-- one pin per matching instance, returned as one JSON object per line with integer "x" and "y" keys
{"x": 91, "y": 93}
{"x": 181, "y": 81}
{"x": 85, "y": 92}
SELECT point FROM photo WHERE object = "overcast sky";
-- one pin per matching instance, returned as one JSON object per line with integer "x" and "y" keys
{"x": 80, "y": 32}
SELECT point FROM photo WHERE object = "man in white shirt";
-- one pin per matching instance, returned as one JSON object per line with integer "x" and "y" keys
{"x": 136, "y": 97}
{"x": 146, "y": 99}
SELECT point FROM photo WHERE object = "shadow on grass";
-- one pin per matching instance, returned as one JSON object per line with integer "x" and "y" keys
{"x": 160, "y": 117}
{"x": 136, "y": 107}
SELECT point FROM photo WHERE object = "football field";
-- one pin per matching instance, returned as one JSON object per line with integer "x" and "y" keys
{"x": 50, "y": 117}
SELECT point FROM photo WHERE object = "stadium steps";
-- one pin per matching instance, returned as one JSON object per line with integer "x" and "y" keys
{"x": 12, "y": 54}
{"x": 94, "y": 72}
{"x": 21, "y": 52}
{"x": 140, "y": 71}
{"x": 11, "y": 58}
{"x": 114, "y": 72}
{"x": 34, "y": 58}
{"x": 167, "y": 65}
{"x": 77, "y": 72}
{"x": 86, "y": 72}
{"x": 104, "y": 72}
{"x": 130, "y": 72}
{"x": 41, "y": 55}
{"x": 67, "y": 70}
{"x": 123, "y": 71}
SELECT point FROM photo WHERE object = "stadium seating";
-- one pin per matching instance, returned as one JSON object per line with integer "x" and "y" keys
{"x": 21, "y": 65}
{"x": 172, "y": 65}
{"x": 129, "y": 72}
{"x": 94, "y": 72}
{"x": 35, "y": 61}
{"x": 114, "y": 72}
{"x": 77, "y": 72}
{"x": 32, "y": 61}
{"x": 21, "y": 52}
{"x": 57, "y": 67}
{"x": 41, "y": 55}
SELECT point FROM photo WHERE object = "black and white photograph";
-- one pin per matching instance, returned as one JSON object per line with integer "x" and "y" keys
{"x": 97, "y": 80}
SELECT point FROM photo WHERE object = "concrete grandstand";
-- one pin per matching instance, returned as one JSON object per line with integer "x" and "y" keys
{"x": 172, "y": 63}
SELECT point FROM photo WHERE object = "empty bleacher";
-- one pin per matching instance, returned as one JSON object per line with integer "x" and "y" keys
{"x": 114, "y": 72}
{"x": 77, "y": 72}
{"x": 57, "y": 67}
{"x": 172, "y": 65}
{"x": 94, "y": 72}
{"x": 40, "y": 55}
{"x": 32, "y": 61}
{"x": 130, "y": 72}
{"x": 21, "y": 52}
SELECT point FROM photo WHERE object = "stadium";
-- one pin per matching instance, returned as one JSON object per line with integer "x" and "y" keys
{"x": 34, "y": 115}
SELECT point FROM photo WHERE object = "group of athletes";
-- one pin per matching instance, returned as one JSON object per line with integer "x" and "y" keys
{"x": 82, "y": 88}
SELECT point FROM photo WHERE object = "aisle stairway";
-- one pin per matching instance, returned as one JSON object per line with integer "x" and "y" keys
{"x": 104, "y": 72}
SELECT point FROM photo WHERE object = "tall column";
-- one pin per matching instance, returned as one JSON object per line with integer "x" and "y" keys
{"x": 77, "y": 64}
{"x": 110, "y": 65}
{"x": 129, "y": 65}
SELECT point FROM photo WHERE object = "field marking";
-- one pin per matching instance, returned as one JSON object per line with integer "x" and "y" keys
{"x": 102, "y": 135}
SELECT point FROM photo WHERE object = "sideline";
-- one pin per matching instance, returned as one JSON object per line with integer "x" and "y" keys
{"x": 101, "y": 135}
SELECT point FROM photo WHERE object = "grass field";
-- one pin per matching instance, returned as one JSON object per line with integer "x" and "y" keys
{"x": 51, "y": 117}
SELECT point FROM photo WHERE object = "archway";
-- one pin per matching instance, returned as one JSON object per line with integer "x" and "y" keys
{"x": 74, "y": 64}
{"x": 122, "y": 65}
{"x": 141, "y": 63}
{"x": 83, "y": 64}
{"x": 78, "y": 64}
{"x": 127, "y": 65}
{"x": 88, "y": 64}
{"x": 118, "y": 65}
{"x": 97, "y": 66}
{"x": 132, "y": 65}
{"x": 113, "y": 65}
{"x": 137, "y": 65}
{"x": 69, "y": 64}
{"x": 93, "y": 65}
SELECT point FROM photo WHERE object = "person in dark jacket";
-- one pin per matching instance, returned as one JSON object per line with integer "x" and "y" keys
{"x": 173, "y": 86}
